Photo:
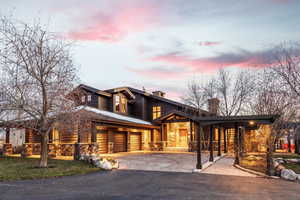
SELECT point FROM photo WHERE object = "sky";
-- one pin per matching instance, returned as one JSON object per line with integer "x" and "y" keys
{"x": 163, "y": 44}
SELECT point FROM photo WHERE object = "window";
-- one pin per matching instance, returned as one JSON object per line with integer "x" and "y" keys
{"x": 117, "y": 103}
{"x": 83, "y": 99}
{"x": 89, "y": 98}
{"x": 120, "y": 104}
{"x": 156, "y": 112}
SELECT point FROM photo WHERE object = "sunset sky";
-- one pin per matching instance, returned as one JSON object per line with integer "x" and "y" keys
{"x": 162, "y": 44}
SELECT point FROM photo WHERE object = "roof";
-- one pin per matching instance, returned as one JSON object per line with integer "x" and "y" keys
{"x": 221, "y": 119}
{"x": 165, "y": 99}
{"x": 94, "y": 90}
{"x": 107, "y": 116}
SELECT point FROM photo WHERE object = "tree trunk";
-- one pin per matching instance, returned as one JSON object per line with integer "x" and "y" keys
{"x": 289, "y": 143}
{"x": 44, "y": 150}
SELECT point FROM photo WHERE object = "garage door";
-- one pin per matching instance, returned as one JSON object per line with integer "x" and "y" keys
{"x": 102, "y": 140}
{"x": 120, "y": 142}
{"x": 135, "y": 141}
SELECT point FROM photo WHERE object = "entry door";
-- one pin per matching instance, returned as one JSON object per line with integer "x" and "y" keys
{"x": 182, "y": 138}
{"x": 120, "y": 142}
{"x": 135, "y": 141}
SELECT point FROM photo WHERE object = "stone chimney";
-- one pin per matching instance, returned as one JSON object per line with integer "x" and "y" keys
{"x": 159, "y": 93}
{"x": 213, "y": 105}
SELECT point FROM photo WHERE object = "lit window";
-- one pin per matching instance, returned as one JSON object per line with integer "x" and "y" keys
{"x": 89, "y": 98}
{"x": 120, "y": 104}
{"x": 156, "y": 112}
{"x": 83, "y": 99}
{"x": 117, "y": 103}
{"x": 123, "y": 105}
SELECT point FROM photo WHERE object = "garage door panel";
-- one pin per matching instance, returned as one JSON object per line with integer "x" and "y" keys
{"x": 102, "y": 140}
{"x": 135, "y": 141}
{"x": 120, "y": 142}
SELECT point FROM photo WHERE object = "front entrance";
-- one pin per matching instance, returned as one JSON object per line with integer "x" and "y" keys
{"x": 182, "y": 140}
{"x": 120, "y": 142}
{"x": 177, "y": 134}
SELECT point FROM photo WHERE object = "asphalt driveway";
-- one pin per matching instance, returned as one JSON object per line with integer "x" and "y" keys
{"x": 168, "y": 162}
{"x": 131, "y": 185}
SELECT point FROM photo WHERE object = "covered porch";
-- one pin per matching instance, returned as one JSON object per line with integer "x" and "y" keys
{"x": 244, "y": 137}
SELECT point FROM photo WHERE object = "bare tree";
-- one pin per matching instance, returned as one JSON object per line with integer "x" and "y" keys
{"x": 233, "y": 89}
{"x": 286, "y": 65}
{"x": 198, "y": 93}
{"x": 37, "y": 74}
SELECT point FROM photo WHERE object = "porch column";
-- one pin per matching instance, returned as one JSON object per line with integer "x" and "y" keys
{"x": 7, "y": 131}
{"x": 211, "y": 149}
{"x": 225, "y": 140}
{"x": 199, "y": 160}
{"x": 219, "y": 141}
{"x": 236, "y": 141}
{"x": 191, "y": 137}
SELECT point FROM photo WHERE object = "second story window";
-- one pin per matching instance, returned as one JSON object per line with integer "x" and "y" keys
{"x": 83, "y": 99}
{"x": 156, "y": 112}
{"x": 120, "y": 104}
{"x": 89, "y": 98}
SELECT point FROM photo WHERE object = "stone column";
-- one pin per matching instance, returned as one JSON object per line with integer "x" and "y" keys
{"x": 110, "y": 141}
{"x": 128, "y": 142}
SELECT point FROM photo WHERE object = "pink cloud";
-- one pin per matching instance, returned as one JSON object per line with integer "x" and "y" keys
{"x": 209, "y": 43}
{"x": 209, "y": 64}
{"x": 114, "y": 26}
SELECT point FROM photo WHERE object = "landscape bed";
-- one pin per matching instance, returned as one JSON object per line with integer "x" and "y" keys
{"x": 15, "y": 168}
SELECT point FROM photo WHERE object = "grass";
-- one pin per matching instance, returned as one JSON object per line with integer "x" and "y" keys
{"x": 286, "y": 155}
{"x": 293, "y": 166}
{"x": 14, "y": 168}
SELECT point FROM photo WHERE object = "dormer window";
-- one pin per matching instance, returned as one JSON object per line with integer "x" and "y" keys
{"x": 89, "y": 98}
{"x": 120, "y": 104}
{"x": 156, "y": 112}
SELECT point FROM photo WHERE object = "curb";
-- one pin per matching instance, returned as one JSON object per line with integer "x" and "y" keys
{"x": 208, "y": 164}
{"x": 255, "y": 172}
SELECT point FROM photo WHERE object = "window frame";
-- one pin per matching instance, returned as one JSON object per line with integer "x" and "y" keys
{"x": 156, "y": 111}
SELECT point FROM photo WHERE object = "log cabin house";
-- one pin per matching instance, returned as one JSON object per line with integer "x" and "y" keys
{"x": 126, "y": 119}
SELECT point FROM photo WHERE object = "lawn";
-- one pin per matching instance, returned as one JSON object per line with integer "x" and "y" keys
{"x": 286, "y": 155}
{"x": 14, "y": 168}
{"x": 293, "y": 166}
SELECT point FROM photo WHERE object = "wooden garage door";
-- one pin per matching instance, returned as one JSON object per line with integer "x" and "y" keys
{"x": 135, "y": 141}
{"x": 102, "y": 140}
{"x": 120, "y": 142}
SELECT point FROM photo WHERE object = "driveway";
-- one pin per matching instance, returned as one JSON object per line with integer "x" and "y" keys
{"x": 131, "y": 185}
{"x": 168, "y": 162}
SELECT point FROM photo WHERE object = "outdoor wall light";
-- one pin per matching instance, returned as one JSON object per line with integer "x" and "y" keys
{"x": 251, "y": 123}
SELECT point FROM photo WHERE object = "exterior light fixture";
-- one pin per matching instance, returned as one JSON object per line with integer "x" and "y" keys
{"x": 251, "y": 123}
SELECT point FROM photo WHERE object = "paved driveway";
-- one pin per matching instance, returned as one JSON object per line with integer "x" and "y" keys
{"x": 131, "y": 185}
{"x": 171, "y": 162}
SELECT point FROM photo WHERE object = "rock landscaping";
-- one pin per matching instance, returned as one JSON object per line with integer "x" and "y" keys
{"x": 102, "y": 163}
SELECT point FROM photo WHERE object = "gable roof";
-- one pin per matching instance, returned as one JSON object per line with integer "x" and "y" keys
{"x": 94, "y": 90}
{"x": 122, "y": 89}
{"x": 166, "y": 100}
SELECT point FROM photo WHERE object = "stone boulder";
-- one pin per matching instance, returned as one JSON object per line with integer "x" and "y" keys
{"x": 288, "y": 174}
{"x": 104, "y": 164}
